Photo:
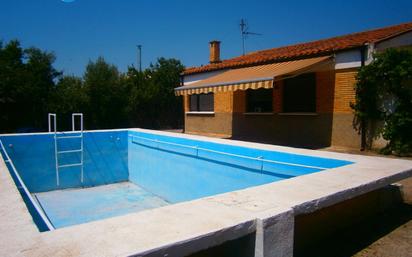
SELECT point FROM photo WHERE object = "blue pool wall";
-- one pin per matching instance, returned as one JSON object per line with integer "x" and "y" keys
{"x": 174, "y": 168}
{"x": 105, "y": 159}
{"x": 172, "y": 171}
{"x": 178, "y": 173}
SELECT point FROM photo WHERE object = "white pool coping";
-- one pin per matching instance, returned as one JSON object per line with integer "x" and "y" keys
{"x": 187, "y": 227}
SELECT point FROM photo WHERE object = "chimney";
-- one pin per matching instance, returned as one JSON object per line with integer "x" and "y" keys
{"x": 214, "y": 51}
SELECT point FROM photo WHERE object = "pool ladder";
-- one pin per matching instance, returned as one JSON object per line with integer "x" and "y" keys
{"x": 57, "y": 153}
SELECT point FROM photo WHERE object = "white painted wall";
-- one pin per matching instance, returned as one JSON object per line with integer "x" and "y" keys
{"x": 399, "y": 41}
{"x": 352, "y": 58}
{"x": 348, "y": 59}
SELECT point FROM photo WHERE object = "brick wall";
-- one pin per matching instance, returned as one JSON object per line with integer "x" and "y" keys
{"x": 343, "y": 133}
{"x": 218, "y": 124}
{"x": 186, "y": 103}
{"x": 293, "y": 130}
{"x": 236, "y": 101}
{"x": 325, "y": 85}
{"x": 223, "y": 102}
{"x": 344, "y": 90}
{"x": 332, "y": 125}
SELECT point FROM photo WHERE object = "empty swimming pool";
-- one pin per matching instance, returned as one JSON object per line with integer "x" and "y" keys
{"x": 128, "y": 171}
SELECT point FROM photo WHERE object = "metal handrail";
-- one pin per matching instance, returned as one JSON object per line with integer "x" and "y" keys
{"x": 49, "y": 120}
{"x": 26, "y": 191}
{"x": 55, "y": 144}
{"x": 64, "y": 137}
{"x": 81, "y": 142}
{"x": 259, "y": 158}
{"x": 56, "y": 152}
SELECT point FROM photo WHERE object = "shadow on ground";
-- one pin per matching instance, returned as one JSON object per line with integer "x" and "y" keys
{"x": 357, "y": 237}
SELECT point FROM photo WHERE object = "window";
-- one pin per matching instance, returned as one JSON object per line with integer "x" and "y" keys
{"x": 299, "y": 94}
{"x": 259, "y": 100}
{"x": 202, "y": 103}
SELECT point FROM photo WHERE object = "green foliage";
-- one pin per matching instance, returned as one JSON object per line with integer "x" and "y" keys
{"x": 69, "y": 97}
{"x": 26, "y": 85}
{"x": 30, "y": 88}
{"x": 152, "y": 102}
{"x": 384, "y": 93}
{"x": 107, "y": 96}
{"x": 165, "y": 75}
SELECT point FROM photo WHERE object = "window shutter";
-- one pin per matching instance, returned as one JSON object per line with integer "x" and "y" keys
{"x": 194, "y": 103}
{"x": 206, "y": 102}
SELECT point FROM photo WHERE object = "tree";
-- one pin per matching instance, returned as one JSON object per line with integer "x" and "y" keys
{"x": 30, "y": 87}
{"x": 69, "y": 97}
{"x": 39, "y": 86}
{"x": 152, "y": 103}
{"x": 11, "y": 65}
{"x": 26, "y": 84}
{"x": 384, "y": 93}
{"x": 139, "y": 97}
{"x": 107, "y": 96}
{"x": 165, "y": 76}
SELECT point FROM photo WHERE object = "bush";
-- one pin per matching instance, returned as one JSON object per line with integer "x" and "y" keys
{"x": 384, "y": 93}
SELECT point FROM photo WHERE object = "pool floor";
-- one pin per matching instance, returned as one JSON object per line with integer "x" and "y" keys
{"x": 74, "y": 206}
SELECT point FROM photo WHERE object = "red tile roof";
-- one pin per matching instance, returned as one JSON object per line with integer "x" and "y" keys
{"x": 303, "y": 50}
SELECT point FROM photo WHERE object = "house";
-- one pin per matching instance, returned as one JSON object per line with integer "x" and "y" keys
{"x": 297, "y": 95}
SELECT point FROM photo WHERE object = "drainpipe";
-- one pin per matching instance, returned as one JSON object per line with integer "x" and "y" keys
{"x": 363, "y": 121}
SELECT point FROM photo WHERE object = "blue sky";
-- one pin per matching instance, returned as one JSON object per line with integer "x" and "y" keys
{"x": 85, "y": 29}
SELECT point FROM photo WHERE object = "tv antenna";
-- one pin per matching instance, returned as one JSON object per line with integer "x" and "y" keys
{"x": 244, "y": 32}
{"x": 139, "y": 59}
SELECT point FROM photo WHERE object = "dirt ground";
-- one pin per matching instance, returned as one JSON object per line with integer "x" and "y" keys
{"x": 387, "y": 235}
{"x": 396, "y": 227}
{"x": 396, "y": 243}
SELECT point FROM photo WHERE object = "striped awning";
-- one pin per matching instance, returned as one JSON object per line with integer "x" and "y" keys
{"x": 255, "y": 77}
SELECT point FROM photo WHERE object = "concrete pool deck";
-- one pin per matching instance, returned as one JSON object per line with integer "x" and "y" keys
{"x": 184, "y": 228}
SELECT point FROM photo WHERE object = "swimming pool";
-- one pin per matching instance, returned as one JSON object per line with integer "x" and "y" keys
{"x": 128, "y": 171}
